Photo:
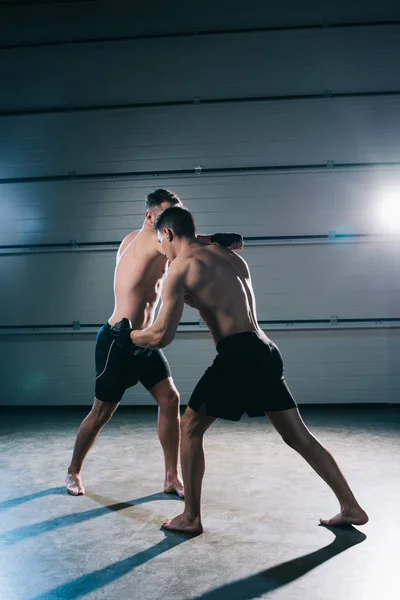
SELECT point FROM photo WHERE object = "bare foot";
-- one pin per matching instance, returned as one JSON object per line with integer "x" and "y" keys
{"x": 353, "y": 516}
{"x": 183, "y": 523}
{"x": 74, "y": 485}
{"x": 174, "y": 486}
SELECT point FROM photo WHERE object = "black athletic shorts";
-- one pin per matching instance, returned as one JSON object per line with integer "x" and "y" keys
{"x": 118, "y": 369}
{"x": 246, "y": 376}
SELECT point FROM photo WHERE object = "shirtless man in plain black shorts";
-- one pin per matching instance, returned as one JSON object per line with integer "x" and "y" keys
{"x": 247, "y": 373}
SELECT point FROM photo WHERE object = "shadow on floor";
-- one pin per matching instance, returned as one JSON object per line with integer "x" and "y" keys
{"x": 98, "y": 579}
{"x": 275, "y": 577}
{"x": 111, "y": 505}
{"x": 22, "y": 499}
{"x": 28, "y": 531}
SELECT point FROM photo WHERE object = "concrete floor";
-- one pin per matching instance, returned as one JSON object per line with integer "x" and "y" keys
{"x": 261, "y": 508}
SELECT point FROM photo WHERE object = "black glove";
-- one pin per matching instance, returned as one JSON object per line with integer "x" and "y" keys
{"x": 121, "y": 333}
{"x": 233, "y": 241}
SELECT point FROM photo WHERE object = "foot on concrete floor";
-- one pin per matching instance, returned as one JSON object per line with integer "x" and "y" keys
{"x": 74, "y": 485}
{"x": 174, "y": 486}
{"x": 183, "y": 523}
{"x": 347, "y": 516}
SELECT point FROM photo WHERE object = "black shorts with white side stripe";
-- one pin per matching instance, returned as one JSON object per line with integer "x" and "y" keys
{"x": 118, "y": 369}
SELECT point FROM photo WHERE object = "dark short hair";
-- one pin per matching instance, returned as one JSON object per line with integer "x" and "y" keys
{"x": 159, "y": 196}
{"x": 179, "y": 220}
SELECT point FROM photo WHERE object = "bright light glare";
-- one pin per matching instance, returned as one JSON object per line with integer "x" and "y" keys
{"x": 390, "y": 212}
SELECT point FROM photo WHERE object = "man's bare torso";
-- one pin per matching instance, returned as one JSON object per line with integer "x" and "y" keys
{"x": 137, "y": 279}
{"x": 218, "y": 285}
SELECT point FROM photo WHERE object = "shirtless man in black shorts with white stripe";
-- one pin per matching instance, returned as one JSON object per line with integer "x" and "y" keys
{"x": 247, "y": 373}
{"x": 141, "y": 264}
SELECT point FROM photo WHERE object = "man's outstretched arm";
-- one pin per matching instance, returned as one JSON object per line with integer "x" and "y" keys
{"x": 163, "y": 330}
{"x": 233, "y": 241}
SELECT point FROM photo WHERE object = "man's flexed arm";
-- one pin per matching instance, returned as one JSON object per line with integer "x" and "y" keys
{"x": 163, "y": 330}
{"x": 233, "y": 241}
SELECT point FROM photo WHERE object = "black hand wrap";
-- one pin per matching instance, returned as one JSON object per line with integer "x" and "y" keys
{"x": 121, "y": 332}
{"x": 227, "y": 240}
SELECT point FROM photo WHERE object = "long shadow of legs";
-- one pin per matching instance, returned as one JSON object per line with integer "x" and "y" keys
{"x": 110, "y": 504}
{"x": 28, "y": 531}
{"x": 269, "y": 580}
{"x": 98, "y": 579}
{"x": 22, "y": 499}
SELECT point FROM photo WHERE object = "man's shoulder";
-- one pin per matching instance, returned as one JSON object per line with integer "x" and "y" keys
{"x": 126, "y": 242}
{"x": 188, "y": 266}
{"x": 144, "y": 240}
{"x": 130, "y": 237}
{"x": 179, "y": 268}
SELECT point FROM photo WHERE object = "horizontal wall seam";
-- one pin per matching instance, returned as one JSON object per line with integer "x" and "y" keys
{"x": 195, "y": 33}
{"x": 334, "y": 323}
{"x": 197, "y": 171}
{"x": 76, "y": 245}
{"x": 325, "y": 95}
{"x": 261, "y": 322}
{"x": 12, "y": 3}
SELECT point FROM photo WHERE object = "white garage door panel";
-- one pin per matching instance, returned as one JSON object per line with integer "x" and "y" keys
{"x": 138, "y": 396}
{"x": 31, "y": 376}
{"x": 343, "y": 346}
{"x": 308, "y": 282}
{"x": 344, "y": 369}
{"x": 272, "y": 63}
{"x": 318, "y": 383}
{"x": 48, "y": 289}
{"x": 273, "y": 193}
{"x": 53, "y": 289}
{"x": 64, "y": 21}
{"x": 302, "y": 307}
{"x": 330, "y": 396}
{"x": 289, "y": 283}
{"x": 88, "y": 223}
{"x": 236, "y": 135}
{"x": 255, "y": 205}
{"x": 85, "y": 223}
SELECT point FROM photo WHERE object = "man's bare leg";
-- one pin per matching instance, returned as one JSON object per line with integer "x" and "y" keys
{"x": 194, "y": 426}
{"x": 167, "y": 397}
{"x": 88, "y": 432}
{"x": 295, "y": 433}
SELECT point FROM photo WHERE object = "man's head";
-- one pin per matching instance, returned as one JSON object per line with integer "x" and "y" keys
{"x": 174, "y": 225}
{"x": 158, "y": 201}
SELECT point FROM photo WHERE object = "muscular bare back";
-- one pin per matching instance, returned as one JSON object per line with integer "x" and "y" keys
{"x": 137, "y": 278}
{"x": 218, "y": 285}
